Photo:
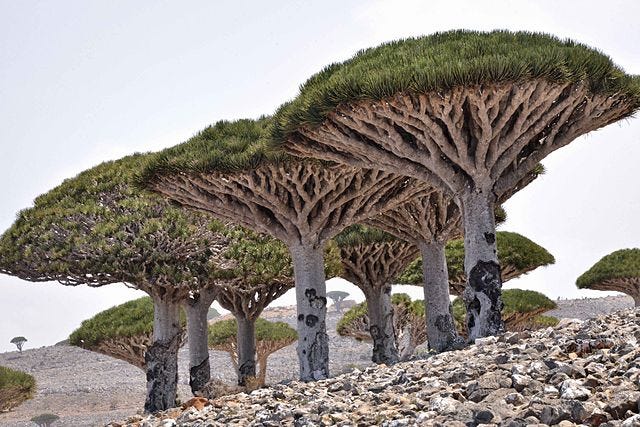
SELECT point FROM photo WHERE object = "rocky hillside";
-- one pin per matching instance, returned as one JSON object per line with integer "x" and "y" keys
{"x": 581, "y": 372}
{"x": 88, "y": 389}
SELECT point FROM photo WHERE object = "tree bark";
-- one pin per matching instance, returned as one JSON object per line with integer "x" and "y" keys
{"x": 311, "y": 299}
{"x": 246, "y": 349}
{"x": 197, "y": 309}
{"x": 380, "y": 311}
{"x": 441, "y": 328}
{"x": 162, "y": 357}
{"x": 482, "y": 294}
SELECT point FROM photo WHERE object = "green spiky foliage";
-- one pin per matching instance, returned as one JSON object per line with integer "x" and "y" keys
{"x": 445, "y": 60}
{"x": 408, "y": 319}
{"x": 226, "y": 146}
{"x": 15, "y": 388}
{"x": 522, "y": 310}
{"x": 517, "y": 254}
{"x": 621, "y": 264}
{"x": 270, "y": 337}
{"x": 123, "y": 332}
{"x": 97, "y": 229}
{"x": 254, "y": 269}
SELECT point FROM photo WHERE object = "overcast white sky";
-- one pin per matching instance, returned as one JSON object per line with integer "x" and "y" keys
{"x": 86, "y": 81}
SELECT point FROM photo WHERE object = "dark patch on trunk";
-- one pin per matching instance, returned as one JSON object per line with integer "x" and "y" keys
{"x": 485, "y": 278}
{"x": 318, "y": 355}
{"x": 199, "y": 375}
{"x": 311, "y": 320}
{"x": 314, "y": 300}
{"x": 387, "y": 290}
{"x": 300, "y": 317}
{"x": 161, "y": 360}
{"x": 245, "y": 371}
{"x": 490, "y": 238}
{"x": 381, "y": 343}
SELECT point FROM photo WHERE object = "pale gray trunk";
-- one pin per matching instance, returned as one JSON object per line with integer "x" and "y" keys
{"x": 441, "y": 328}
{"x": 197, "y": 309}
{"x": 311, "y": 299}
{"x": 380, "y": 312}
{"x": 246, "y": 342}
{"x": 482, "y": 294}
{"x": 162, "y": 357}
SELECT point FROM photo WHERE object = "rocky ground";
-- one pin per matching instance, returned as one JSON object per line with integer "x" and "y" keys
{"x": 581, "y": 372}
{"x": 86, "y": 389}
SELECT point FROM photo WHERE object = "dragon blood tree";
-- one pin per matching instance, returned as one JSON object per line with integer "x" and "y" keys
{"x": 408, "y": 324}
{"x": 229, "y": 171}
{"x": 619, "y": 271}
{"x": 257, "y": 270}
{"x": 429, "y": 221}
{"x": 470, "y": 113}
{"x": 124, "y": 332}
{"x": 371, "y": 259}
{"x": 517, "y": 254}
{"x": 269, "y": 337}
{"x": 96, "y": 229}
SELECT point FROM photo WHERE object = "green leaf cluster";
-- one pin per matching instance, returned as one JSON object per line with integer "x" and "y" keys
{"x": 97, "y": 228}
{"x": 621, "y": 264}
{"x": 254, "y": 258}
{"x": 445, "y": 60}
{"x": 359, "y": 311}
{"x": 125, "y": 320}
{"x": 15, "y": 387}
{"x": 226, "y": 146}
{"x": 224, "y": 330}
{"x": 514, "y": 251}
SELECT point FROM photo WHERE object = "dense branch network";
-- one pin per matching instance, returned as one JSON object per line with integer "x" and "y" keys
{"x": 293, "y": 202}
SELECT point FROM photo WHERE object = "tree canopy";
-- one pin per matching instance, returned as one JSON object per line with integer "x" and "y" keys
{"x": 97, "y": 229}
{"x": 269, "y": 337}
{"x": 621, "y": 264}
{"x": 518, "y": 255}
{"x": 445, "y": 60}
{"x": 124, "y": 331}
{"x": 226, "y": 146}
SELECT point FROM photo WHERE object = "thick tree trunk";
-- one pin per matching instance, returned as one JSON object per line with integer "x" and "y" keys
{"x": 311, "y": 299}
{"x": 197, "y": 331}
{"x": 380, "y": 312}
{"x": 162, "y": 357}
{"x": 441, "y": 328}
{"x": 246, "y": 342}
{"x": 482, "y": 295}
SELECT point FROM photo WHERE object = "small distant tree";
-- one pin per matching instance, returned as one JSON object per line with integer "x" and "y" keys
{"x": 408, "y": 318}
{"x": 337, "y": 297}
{"x": 19, "y": 342}
{"x": 15, "y": 388}
{"x": 45, "y": 420}
{"x": 619, "y": 271}
{"x": 270, "y": 337}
